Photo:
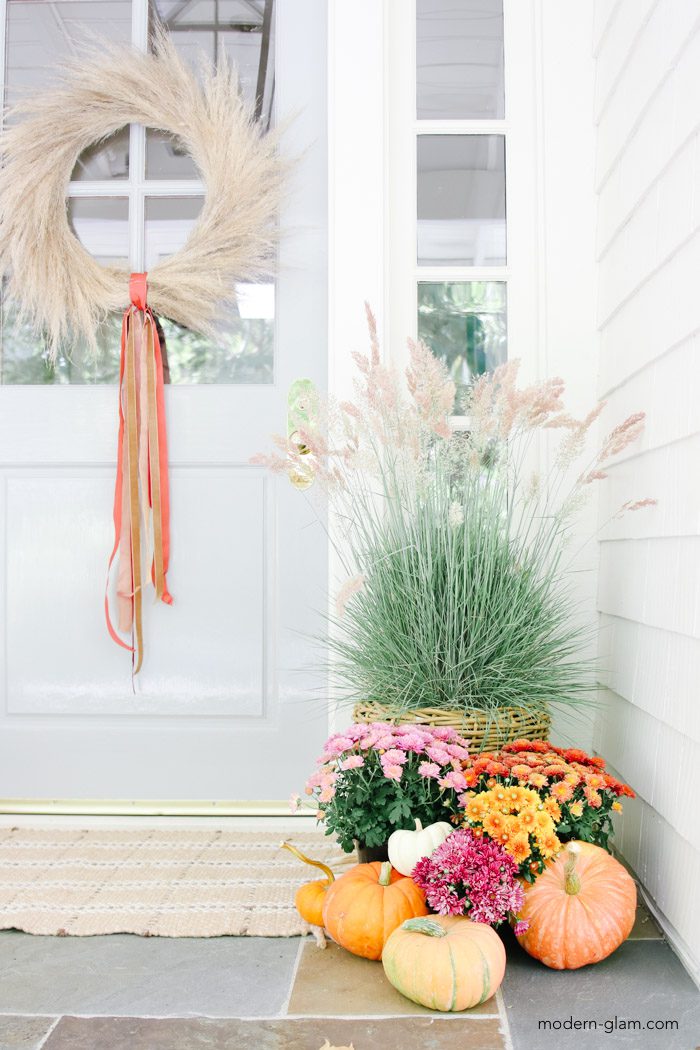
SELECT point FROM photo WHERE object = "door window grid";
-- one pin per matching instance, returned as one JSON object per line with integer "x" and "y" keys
{"x": 251, "y": 335}
{"x": 462, "y": 303}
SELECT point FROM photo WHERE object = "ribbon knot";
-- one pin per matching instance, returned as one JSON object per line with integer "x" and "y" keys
{"x": 138, "y": 290}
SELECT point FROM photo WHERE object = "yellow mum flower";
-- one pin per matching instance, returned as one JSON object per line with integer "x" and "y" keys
{"x": 519, "y": 848}
{"x": 476, "y": 810}
{"x": 549, "y": 845}
{"x": 527, "y": 818}
{"x": 551, "y": 806}
{"x": 617, "y": 806}
{"x": 576, "y": 808}
{"x": 494, "y": 824}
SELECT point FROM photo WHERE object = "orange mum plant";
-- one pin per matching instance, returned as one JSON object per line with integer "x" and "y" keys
{"x": 517, "y": 818}
{"x": 573, "y": 787}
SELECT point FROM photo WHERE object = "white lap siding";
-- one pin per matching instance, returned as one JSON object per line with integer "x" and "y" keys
{"x": 647, "y": 114}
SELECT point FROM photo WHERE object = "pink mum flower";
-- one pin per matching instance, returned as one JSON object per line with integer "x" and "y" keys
{"x": 443, "y": 733}
{"x": 438, "y": 755}
{"x": 393, "y": 772}
{"x": 337, "y": 744}
{"x": 393, "y": 757}
{"x": 454, "y": 780}
{"x": 467, "y": 875}
{"x": 353, "y": 762}
{"x": 429, "y": 769}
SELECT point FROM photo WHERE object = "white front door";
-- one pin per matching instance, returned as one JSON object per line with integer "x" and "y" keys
{"x": 225, "y": 707}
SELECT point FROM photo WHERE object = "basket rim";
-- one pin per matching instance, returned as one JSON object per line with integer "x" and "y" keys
{"x": 512, "y": 713}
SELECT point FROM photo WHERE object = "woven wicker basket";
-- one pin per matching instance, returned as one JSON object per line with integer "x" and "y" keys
{"x": 484, "y": 732}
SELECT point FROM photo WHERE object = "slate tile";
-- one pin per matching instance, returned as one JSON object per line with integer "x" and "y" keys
{"x": 341, "y": 985}
{"x": 151, "y": 976}
{"x": 23, "y": 1033}
{"x": 416, "y": 1033}
{"x": 643, "y": 981}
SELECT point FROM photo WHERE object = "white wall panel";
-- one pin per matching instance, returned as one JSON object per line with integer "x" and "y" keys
{"x": 616, "y": 44}
{"x": 663, "y": 313}
{"x": 656, "y": 670}
{"x": 603, "y": 13}
{"x": 655, "y": 49}
{"x": 648, "y": 244}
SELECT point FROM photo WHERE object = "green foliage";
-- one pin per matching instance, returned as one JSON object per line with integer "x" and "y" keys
{"x": 461, "y": 608}
{"x": 593, "y": 825}
{"x": 369, "y": 807}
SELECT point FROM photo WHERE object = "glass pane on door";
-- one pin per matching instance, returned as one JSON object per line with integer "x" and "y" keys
{"x": 464, "y": 324}
{"x": 101, "y": 224}
{"x": 243, "y": 349}
{"x": 461, "y": 200}
{"x": 40, "y": 34}
{"x": 459, "y": 60}
{"x": 243, "y": 30}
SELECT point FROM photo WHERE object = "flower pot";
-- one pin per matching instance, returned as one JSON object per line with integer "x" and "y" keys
{"x": 483, "y": 730}
{"x": 366, "y": 854}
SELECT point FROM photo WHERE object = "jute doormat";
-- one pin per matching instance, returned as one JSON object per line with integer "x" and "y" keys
{"x": 155, "y": 882}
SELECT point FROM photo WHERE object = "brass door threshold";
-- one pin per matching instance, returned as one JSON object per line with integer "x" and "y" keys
{"x": 107, "y": 807}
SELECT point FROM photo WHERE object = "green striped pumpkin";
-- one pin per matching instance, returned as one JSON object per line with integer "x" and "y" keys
{"x": 445, "y": 962}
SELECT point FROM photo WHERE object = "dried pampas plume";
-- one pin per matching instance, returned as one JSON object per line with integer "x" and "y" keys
{"x": 57, "y": 286}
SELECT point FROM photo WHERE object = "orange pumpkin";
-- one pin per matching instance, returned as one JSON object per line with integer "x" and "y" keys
{"x": 364, "y": 906}
{"x": 309, "y": 898}
{"x": 580, "y": 909}
{"x": 446, "y": 962}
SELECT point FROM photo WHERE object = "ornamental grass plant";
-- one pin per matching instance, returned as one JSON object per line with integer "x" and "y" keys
{"x": 458, "y": 594}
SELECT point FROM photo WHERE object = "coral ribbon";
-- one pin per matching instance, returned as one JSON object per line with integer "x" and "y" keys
{"x": 141, "y": 495}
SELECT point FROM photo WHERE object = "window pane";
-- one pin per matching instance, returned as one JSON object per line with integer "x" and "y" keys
{"x": 244, "y": 31}
{"x": 43, "y": 33}
{"x": 101, "y": 224}
{"x": 459, "y": 59}
{"x": 243, "y": 350}
{"x": 108, "y": 159}
{"x": 166, "y": 157}
{"x": 464, "y": 324}
{"x": 461, "y": 200}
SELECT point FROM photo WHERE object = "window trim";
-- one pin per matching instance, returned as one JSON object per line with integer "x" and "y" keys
{"x": 520, "y": 127}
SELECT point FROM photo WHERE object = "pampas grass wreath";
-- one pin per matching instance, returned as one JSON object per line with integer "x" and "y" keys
{"x": 57, "y": 286}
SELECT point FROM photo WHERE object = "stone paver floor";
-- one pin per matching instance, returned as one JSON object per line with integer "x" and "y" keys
{"x": 130, "y": 993}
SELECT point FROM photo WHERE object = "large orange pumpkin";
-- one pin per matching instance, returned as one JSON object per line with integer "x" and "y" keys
{"x": 446, "y": 962}
{"x": 310, "y": 896}
{"x": 580, "y": 909}
{"x": 364, "y": 906}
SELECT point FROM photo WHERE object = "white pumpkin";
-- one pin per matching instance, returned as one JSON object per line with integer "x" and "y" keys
{"x": 406, "y": 848}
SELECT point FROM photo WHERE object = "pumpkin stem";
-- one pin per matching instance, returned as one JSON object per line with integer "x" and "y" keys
{"x": 572, "y": 883}
{"x": 307, "y": 860}
{"x": 430, "y": 927}
{"x": 419, "y": 826}
{"x": 385, "y": 874}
